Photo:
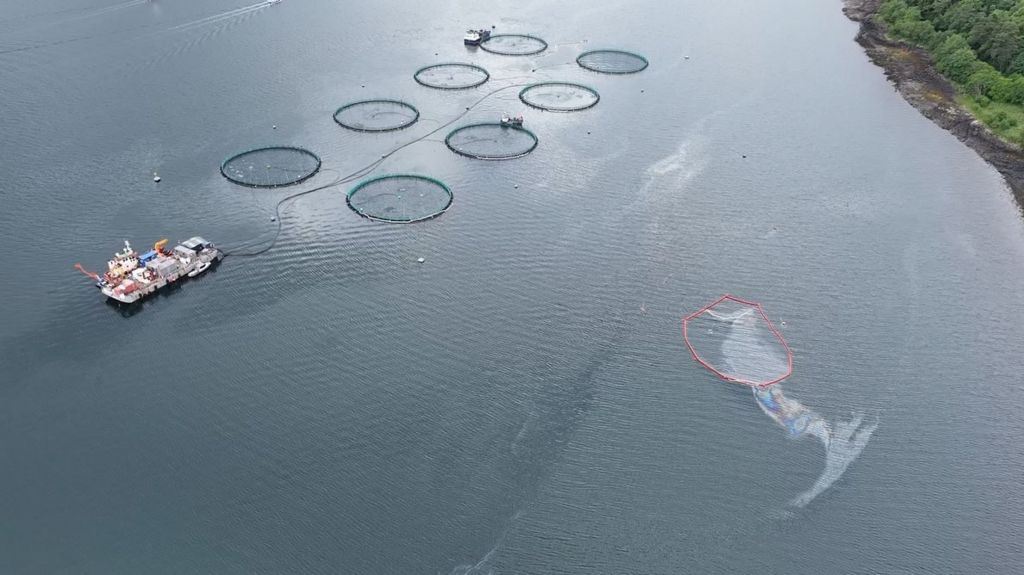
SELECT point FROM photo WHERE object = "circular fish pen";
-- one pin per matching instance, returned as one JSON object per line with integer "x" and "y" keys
{"x": 734, "y": 339}
{"x": 451, "y": 76}
{"x": 514, "y": 45}
{"x": 271, "y": 167}
{"x": 612, "y": 62}
{"x": 559, "y": 96}
{"x": 400, "y": 198}
{"x": 491, "y": 141}
{"x": 376, "y": 115}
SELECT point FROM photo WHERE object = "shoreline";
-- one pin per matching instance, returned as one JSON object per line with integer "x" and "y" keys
{"x": 910, "y": 70}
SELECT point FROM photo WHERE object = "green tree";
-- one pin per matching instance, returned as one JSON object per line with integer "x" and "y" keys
{"x": 959, "y": 65}
{"x": 997, "y": 38}
{"x": 934, "y": 9}
{"x": 917, "y": 31}
{"x": 1008, "y": 89}
{"x": 981, "y": 81}
{"x": 1017, "y": 66}
{"x": 1016, "y": 92}
{"x": 893, "y": 11}
{"x": 964, "y": 15}
{"x": 951, "y": 44}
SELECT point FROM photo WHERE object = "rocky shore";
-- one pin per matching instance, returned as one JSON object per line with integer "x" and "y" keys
{"x": 910, "y": 69}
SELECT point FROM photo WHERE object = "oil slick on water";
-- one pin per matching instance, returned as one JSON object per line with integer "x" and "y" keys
{"x": 748, "y": 350}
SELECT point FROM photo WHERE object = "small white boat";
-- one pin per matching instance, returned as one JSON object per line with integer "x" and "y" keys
{"x": 200, "y": 268}
{"x": 476, "y": 37}
{"x": 512, "y": 121}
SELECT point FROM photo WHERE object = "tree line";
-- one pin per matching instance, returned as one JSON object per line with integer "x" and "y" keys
{"x": 979, "y": 44}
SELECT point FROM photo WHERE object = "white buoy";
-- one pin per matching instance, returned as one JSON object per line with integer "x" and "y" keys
{"x": 420, "y": 260}
{"x": 275, "y": 126}
{"x": 156, "y": 178}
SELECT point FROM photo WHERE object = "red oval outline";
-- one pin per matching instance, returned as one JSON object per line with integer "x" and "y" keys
{"x": 726, "y": 376}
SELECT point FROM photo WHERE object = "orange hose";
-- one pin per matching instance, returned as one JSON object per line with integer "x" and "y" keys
{"x": 93, "y": 275}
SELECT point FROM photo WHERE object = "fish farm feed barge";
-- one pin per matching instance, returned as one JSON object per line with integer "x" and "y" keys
{"x": 131, "y": 276}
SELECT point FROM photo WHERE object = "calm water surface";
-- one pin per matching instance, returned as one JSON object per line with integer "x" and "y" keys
{"x": 522, "y": 401}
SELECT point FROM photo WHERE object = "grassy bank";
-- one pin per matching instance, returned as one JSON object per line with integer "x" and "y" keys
{"x": 1007, "y": 120}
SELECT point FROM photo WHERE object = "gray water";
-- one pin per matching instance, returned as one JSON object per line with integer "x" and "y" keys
{"x": 522, "y": 401}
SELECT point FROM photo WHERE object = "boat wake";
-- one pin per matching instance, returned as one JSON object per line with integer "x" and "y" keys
{"x": 115, "y": 7}
{"x": 843, "y": 441}
{"x": 221, "y": 16}
{"x": 208, "y": 26}
{"x": 65, "y": 20}
{"x": 483, "y": 566}
{"x": 223, "y": 19}
{"x": 71, "y": 15}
